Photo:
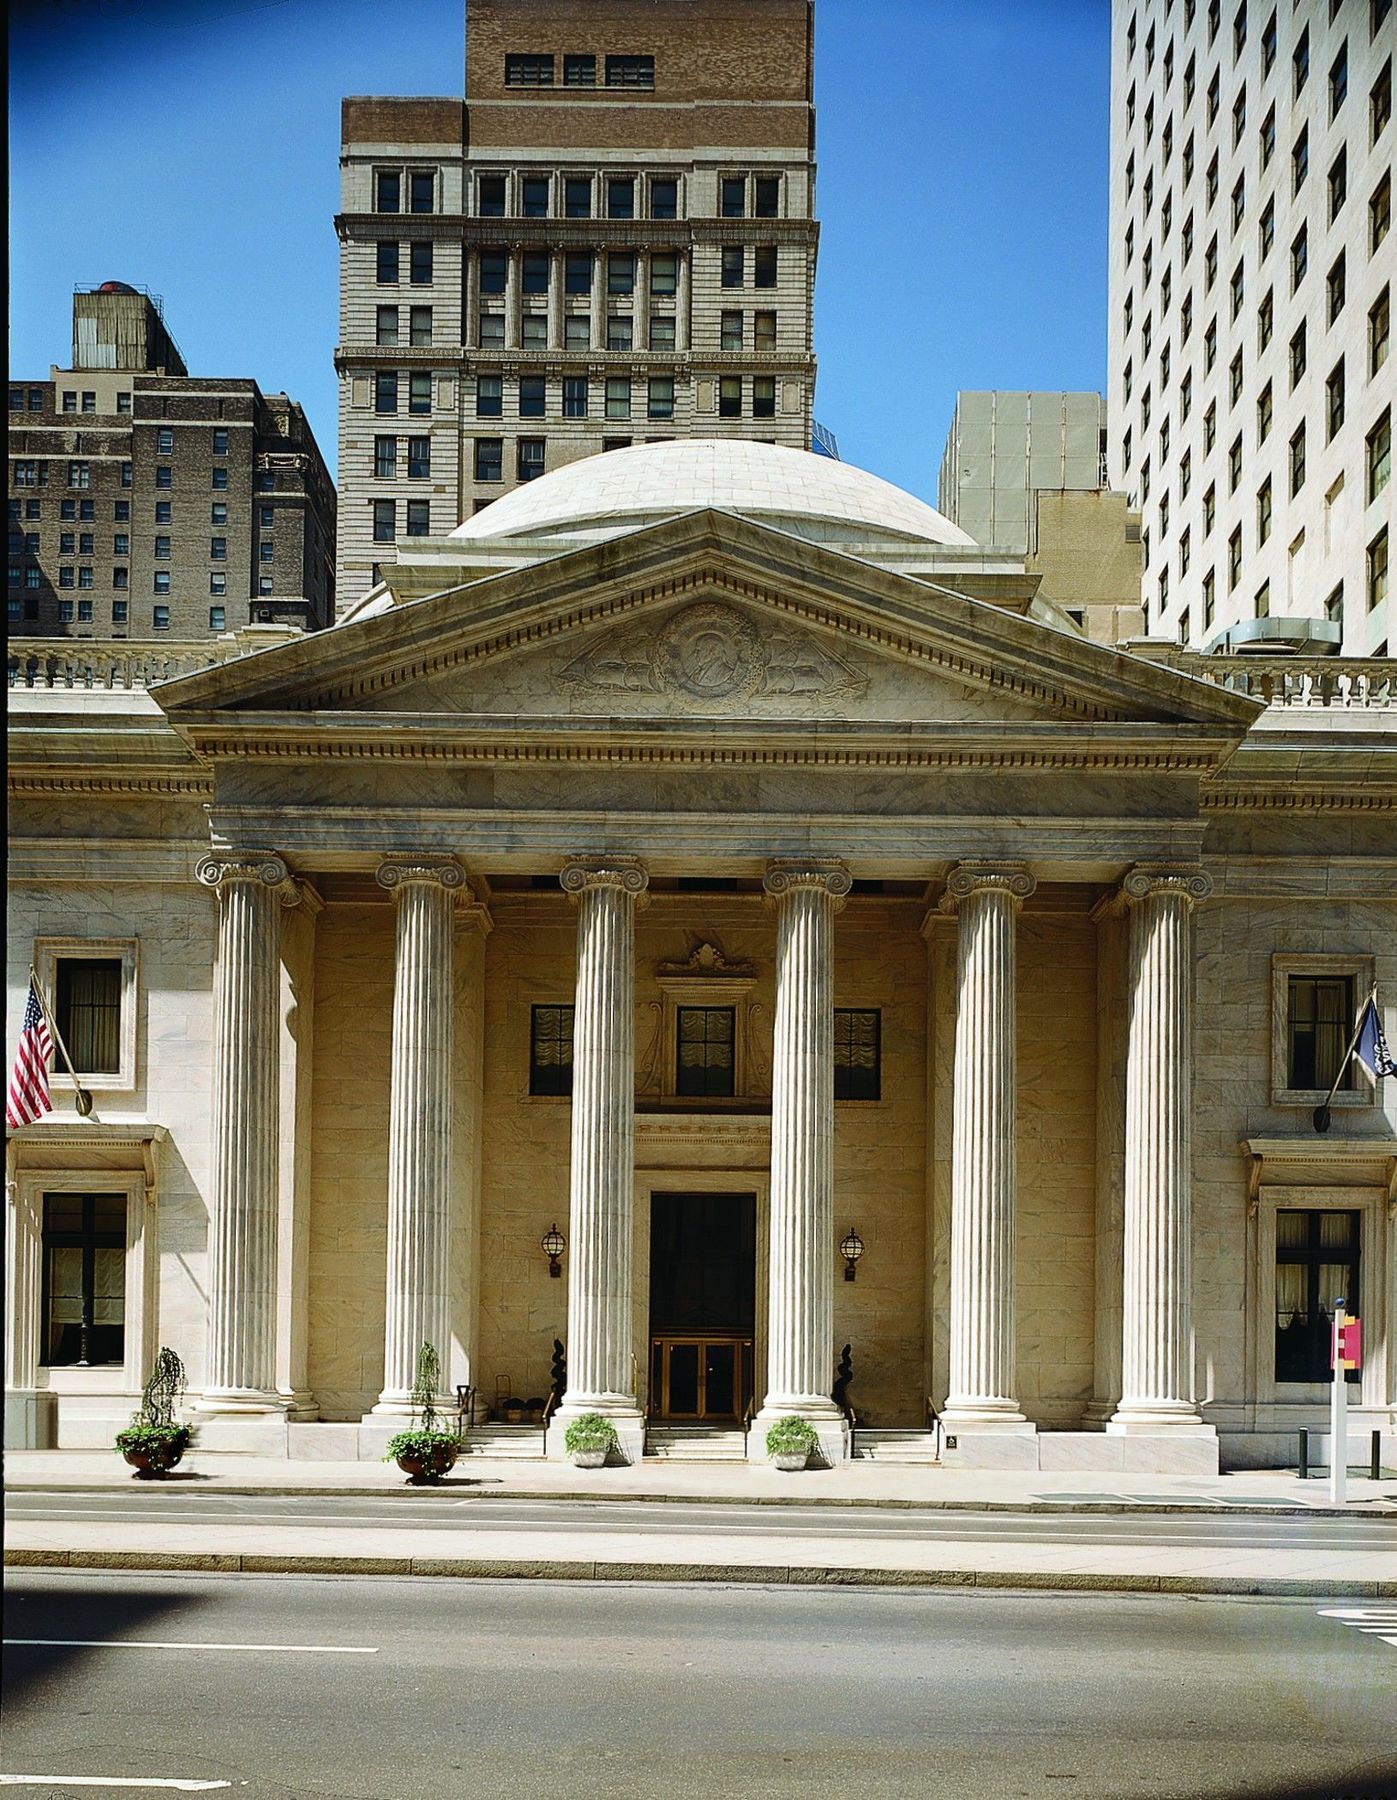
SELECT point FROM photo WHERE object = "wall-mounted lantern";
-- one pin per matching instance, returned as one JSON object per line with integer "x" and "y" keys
{"x": 554, "y": 1244}
{"x": 851, "y": 1249}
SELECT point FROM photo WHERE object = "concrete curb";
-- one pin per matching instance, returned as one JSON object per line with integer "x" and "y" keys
{"x": 461, "y": 1490}
{"x": 738, "y": 1574}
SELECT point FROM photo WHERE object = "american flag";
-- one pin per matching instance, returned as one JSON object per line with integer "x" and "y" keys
{"x": 28, "y": 1096}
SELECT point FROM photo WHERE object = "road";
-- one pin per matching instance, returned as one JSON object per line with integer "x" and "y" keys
{"x": 432, "y": 1511}
{"x": 285, "y": 1687}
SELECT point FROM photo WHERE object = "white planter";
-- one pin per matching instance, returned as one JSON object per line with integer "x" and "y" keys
{"x": 587, "y": 1459}
{"x": 791, "y": 1460}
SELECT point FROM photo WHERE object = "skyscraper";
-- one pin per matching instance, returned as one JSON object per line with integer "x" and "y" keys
{"x": 610, "y": 241}
{"x": 1252, "y": 263}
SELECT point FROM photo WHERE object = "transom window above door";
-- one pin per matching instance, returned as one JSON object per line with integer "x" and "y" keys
{"x": 704, "y": 1050}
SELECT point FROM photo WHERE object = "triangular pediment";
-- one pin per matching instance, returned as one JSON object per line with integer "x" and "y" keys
{"x": 713, "y": 620}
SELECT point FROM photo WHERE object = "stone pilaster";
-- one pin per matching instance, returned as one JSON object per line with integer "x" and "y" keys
{"x": 987, "y": 898}
{"x": 800, "y": 1307}
{"x": 600, "y": 1348}
{"x": 240, "y": 1376}
{"x": 30, "y": 1416}
{"x": 418, "y": 1311}
{"x": 1156, "y": 1346}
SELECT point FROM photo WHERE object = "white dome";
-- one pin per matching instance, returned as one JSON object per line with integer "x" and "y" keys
{"x": 622, "y": 490}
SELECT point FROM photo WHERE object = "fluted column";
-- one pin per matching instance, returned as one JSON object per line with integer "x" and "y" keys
{"x": 600, "y": 1348}
{"x": 241, "y": 1369}
{"x": 418, "y": 1308}
{"x": 987, "y": 898}
{"x": 1156, "y": 1348}
{"x": 800, "y": 1304}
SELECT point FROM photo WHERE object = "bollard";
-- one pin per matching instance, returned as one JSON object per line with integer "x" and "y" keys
{"x": 1375, "y": 1456}
{"x": 1304, "y": 1456}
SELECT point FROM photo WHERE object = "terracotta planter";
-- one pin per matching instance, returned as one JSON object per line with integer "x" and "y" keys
{"x": 423, "y": 1471}
{"x": 791, "y": 1460}
{"x": 588, "y": 1459}
{"x": 150, "y": 1465}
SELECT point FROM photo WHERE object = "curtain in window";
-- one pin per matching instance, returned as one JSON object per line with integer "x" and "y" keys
{"x": 1331, "y": 1032}
{"x": 108, "y": 1287}
{"x": 94, "y": 1015}
{"x": 1290, "y": 1294}
{"x": 856, "y": 1039}
{"x": 705, "y": 1039}
{"x": 65, "y": 1285}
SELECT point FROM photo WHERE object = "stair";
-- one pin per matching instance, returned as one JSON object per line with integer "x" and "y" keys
{"x": 695, "y": 1443}
{"x": 513, "y": 1441}
{"x": 891, "y": 1445}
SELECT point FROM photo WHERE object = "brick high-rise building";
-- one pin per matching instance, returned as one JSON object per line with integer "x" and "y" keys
{"x": 1251, "y": 275}
{"x": 610, "y": 241}
{"x": 146, "y": 503}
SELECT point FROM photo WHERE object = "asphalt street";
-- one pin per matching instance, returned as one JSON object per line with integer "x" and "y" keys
{"x": 432, "y": 1511}
{"x": 274, "y": 1687}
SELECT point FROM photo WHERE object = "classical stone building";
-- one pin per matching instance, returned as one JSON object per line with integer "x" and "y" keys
{"x": 711, "y": 856}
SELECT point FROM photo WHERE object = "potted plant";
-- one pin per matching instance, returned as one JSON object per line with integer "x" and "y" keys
{"x": 789, "y": 1443}
{"x": 425, "y": 1452}
{"x": 589, "y": 1440}
{"x": 155, "y": 1440}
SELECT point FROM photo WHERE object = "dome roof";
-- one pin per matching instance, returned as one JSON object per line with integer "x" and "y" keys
{"x": 623, "y": 490}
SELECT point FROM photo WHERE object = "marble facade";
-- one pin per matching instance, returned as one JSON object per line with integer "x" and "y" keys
{"x": 804, "y": 750}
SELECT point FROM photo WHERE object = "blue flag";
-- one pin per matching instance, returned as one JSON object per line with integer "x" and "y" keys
{"x": 1371, "y": 1046}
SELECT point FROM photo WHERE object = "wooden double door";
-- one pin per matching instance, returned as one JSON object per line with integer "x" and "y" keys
{"x": 703, "y": 1262}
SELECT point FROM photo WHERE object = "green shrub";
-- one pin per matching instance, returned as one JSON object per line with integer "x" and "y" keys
{"x": 154, "y": 1431}
{"x": 791, "y": 1437}
{"x": 163, "y": 1444}
{"x": 428, "y": 1446}
{"x": 591, "y": 1431}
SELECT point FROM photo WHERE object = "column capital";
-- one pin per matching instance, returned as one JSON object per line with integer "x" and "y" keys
{"x": 628, "y": 873}
{"x": 1146, "y": 880}
{"x": 967, "y": 878}
{"x": 263, "y": 867}
{"x": 433, "y": 871}
{"x": 788, "y": 874}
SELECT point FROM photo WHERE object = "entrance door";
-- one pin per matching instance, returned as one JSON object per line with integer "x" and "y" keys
{"x": 703, "y": 1263}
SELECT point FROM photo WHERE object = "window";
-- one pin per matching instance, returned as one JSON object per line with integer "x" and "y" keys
{"x": 620, "y": 272}
{"x": 121, "y": 509}
{"x": 533, "y": 396}
{"x": 387, "y": 266}
{"x": 730, "y": 332}
{"x": 1297, "y": 354}
{"x": 550, "y": 1049}
{"x": 763, "y": 333}
{"x": 70, "y": 400}
{"x": 419, "y": 458}
{"x": 420, "y": 263}
{"x": 660, "y": 400}
{"x": 1334, "y": 606}
{"x": 27, "y": 473}
{"x": 1266, "y": 230}
{"x": 163, "y": 510}
{"x": 490, "y": 197}
{"x": 764, "y": 266}
{"x": 733, "y": 266}
{"x": 489, "y": 459}
{"x": 120, "y": 608}
{"x": 577, "y": 331}
{"x": 1264, "y": 413}
{"x": 493, "y": 271}
{"x": 218, "y": 478}
{"x": 704, "y": 1061}
{"x": 579, "y": 71}
{"x": 385, "y": 458}
{"x": 84, "y": 1280}
{"x": 386, "y": 391}
{"x": 1234, "y": 559}
{"x": 664, "y": 272}
{"x": 533, "y": 331}
{"x": 164, "y": 442}
{"x": 1210, "y": 265}
{"x": 1379, "y": 214}
{"x": 732, "y": 197}
{"x": 630, "y": 71}
{"x": 1239, "y": 118}
{"x": 266, "y": 516}
{"x": 84, "y": 581}
{"x": 121, "y": 544}
{"x": 1377, "y": 570}
{"x": 766, "y": 202}
{"x": 577, "y": 197}
{"x": 162, "y": 549}
{"x": 1268, "y": 46}
{"x": 264, "y": 584}
{"x": 534, "y": 191}
{"x": 387, "y": 191}
{"x": 160, "y": 615}
{"x": 1317, "y": 1263}
{"x": 385, "y": 516}
{"x": 80, "y": 475}
{"x": 857, "y": 1054}
{"x": 1297, "y": 461}
{"x": 618, "y": 396}
{"x": 1300, "y": 60}
{"x": 664, "y": 198}
{"x": 1209, "y": 599}
{"x": 1334, "y": 400}
{"x": 1214, "y": 96}
{"x": 421, "y": 188}
{"x": 529, "y": 461}
{"x": 577, "y": 272}
{"x": 1237, "y": 290}
{"x": 419, "y": 518}
{"x": 419, "y": 391}
{"x": 1185, "y": 552}
{"x": 1380, "y": 102}
{"x": 125, "y": 474}
{"x": 764, "y": 397}
{"x": 620, "y": 197}
{"x": 1338, "y": 80}
{"x": 1379, "y": 331}
{"x": 220, "y": 442}
{"x": 1234, "y": 379}
{"x": 1263, "y": 513}
{"x": 218, "y": 617}
{"x": 521, "y": 70}
{"x": 1336, "y": 289}
{"x": 1300, "y": 160}
{"x": 1338, "y": 184}
{"x": 730, "y": 397}
{"x": 420, "y": 327}
{"x": 1299, "y": 257}
{"x": 218, "y": 547}
{"x": 662, "y": 331}
{"x": 619, "y": 331}
{"x": 574, "y": 396}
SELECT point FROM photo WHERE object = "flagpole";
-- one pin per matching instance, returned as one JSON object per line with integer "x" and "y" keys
{"x": 81, "y": 1095}
{"x": 1321, "y": 1114}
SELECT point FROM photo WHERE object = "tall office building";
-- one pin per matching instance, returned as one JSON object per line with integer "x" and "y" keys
{"x": 610, "y": 241}
{"x": 1252, "y": 265}
{"x": 1004, "y": 446}
{"x": 146, "y": 503}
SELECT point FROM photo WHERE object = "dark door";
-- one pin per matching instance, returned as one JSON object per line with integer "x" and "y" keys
{"x": 703, "y": 1263}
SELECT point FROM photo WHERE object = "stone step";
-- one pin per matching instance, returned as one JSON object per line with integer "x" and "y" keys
{"x": 890, "y": 1445}
{"x": 524, "y": 1441}
{"x": 670, "y": 1443}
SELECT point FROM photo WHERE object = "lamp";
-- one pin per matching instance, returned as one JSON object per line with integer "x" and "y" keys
{"x": 554, "y": 1244}
{"x": 851, "y": 1249}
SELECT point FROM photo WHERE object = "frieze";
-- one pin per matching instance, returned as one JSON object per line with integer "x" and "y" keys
{"x": 713, "y": 655}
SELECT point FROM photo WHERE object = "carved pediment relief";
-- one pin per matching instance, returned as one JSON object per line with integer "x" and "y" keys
{"x": 706, "y": 961}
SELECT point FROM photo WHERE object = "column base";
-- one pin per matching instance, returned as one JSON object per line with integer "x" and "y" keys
{"x": 1141, "y": 1418}
{"x": 1097, "y": 1413}
{"x": 239, "y": 1402}
{"x": 398, "y": 1404}
{"x": 829, "y": 1424}
{"x": 620, "y": 1410}
{"x": 973, "y": 1413}
{"x": 31, "y": 1419}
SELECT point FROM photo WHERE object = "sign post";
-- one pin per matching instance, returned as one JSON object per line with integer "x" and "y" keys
{"x": 1345, "y": 1354}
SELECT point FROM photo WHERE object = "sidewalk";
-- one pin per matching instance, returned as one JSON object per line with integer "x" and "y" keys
{"x": 843, "y": 1553}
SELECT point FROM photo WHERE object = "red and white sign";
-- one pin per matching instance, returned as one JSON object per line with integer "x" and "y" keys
{"x": 1348, "y": 1354}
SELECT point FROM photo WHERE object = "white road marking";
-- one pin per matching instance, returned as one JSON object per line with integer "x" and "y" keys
{"x": 1372, "y": 1621}
{"x": 159, "y": 1644}
{"x": 108, "y": 1781}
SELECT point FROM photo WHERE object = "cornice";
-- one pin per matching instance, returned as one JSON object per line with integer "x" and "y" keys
{"x": 1280, "y": 796}
{"x": 39, "y": 784}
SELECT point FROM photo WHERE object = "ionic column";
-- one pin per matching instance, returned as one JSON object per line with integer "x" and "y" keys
{"x": 418, "y": 1312}
{"x": 470, "y": 301}
{"x": 600, "y": 1346}
{"x": 800, "y": 1306}
{"x": 984, "y": 1108}
{"x": 597, "y": 298}
{"x": 555, "y": 300}
{"x": 683, "y": 329}
{"x": 1156, "y": 1347}
{"x": 640, "y": 303}
{"x": 241, "y": 1372}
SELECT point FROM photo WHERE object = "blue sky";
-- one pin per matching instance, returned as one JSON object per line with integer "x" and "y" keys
{"x": 191, "y": 147}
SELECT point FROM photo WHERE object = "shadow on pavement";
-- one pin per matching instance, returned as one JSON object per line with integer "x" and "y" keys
{"x": 78, "y": 1611}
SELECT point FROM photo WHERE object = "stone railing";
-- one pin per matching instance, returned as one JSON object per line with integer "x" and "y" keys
{"x": 1333, "y": 681}
{"x": 130, "y": 665}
